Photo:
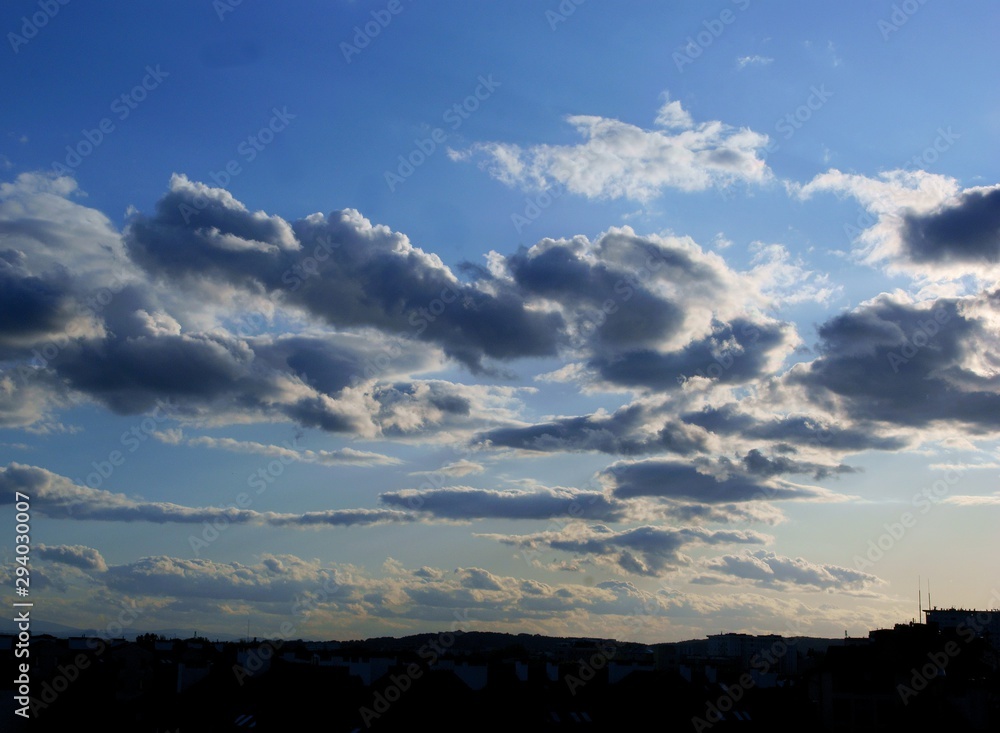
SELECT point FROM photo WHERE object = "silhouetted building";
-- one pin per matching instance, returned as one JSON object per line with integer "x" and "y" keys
{"x": 967, "y": 622}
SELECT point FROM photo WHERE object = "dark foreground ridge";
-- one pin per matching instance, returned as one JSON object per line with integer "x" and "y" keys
{"x": 943, "y": 675}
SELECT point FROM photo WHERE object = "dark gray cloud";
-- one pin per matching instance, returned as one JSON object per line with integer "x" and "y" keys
{"x": 896, "y": 362}
{"x": 964, "y": 230}
{"x": 625, "y": 432}
{"x": 465, "y": 503}
{"x": 130, "y": 374}
{"x": 715, "y": 483}
{"x": 337, "y": 518}
{"x": 32, "y": 309}
{"x": 583, "y": 286}
{"x": 757, "y": 464}
{"x": 645, "y": 550}
{"x": 792, "y": 430}
{"x": 635, "y": 309}
{"x": 734, "y": 353}
{"x": 340, "y": 269}
{"x": 650, "y": 312}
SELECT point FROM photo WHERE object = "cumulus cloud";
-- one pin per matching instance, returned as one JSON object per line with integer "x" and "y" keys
{"x": 650, "y": 312}
{"x": 735, "y": 352}
{"x": 920, "y": 223}
{"x": 769, "y": 570}
{"x": 794, "y": 431}
{"x": 79, "y": 556}
{"x": 621, "y": 160}
{"x": 901, "y": 362}
{"x": 645, "y": 550}
{"x": 359, "y": 274}
{"x": 965, "y": 229}
{"x": 30, "y": 397}
{"x": 633, "y": 429}
{"x": 758, "y": 464}
{"x": 324, "y": 600}
{"x": 350, "y": 311}
{"x": 50, "y": 235}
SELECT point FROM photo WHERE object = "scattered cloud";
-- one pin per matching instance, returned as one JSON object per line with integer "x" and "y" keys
{"x": 756, "y": 60}
{"x": 649, "y": 550}
{"x": 621, "y": 160}
{"x": 769, "y": 570}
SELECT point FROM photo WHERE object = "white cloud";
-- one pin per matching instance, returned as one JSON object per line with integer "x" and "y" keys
{"x": 756, "y": 60}
{"x": 621, "y": 160}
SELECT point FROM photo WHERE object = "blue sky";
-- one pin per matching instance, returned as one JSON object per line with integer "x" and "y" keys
{"x": 641, "y": 319}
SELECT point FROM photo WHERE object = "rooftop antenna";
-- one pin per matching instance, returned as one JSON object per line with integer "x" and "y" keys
{"x": 920, "y": 601}
{"x": 930, "y": 606}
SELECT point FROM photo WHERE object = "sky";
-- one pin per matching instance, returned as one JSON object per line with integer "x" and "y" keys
{"x": 637, "y": 320}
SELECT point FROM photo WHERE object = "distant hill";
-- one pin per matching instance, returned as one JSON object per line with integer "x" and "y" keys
{"x": 39, "y": 627}
{"x": 480, "y": 641}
